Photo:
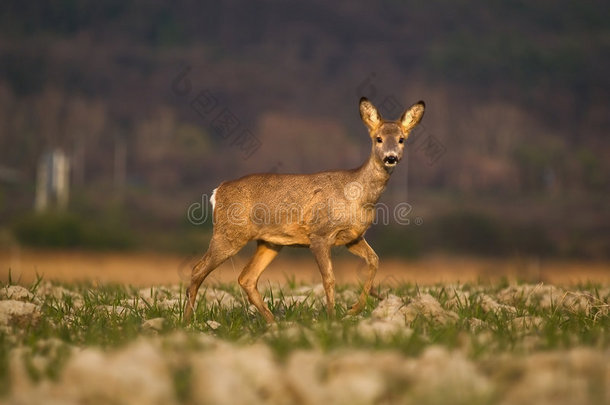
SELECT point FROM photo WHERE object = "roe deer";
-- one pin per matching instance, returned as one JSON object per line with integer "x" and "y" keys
{"x": 318, "y": 211}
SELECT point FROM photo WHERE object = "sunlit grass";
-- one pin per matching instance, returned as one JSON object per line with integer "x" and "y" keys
{"x": 110, "y": 316}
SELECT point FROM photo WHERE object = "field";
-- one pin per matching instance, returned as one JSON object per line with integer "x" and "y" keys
{"x": 469, "y": 342}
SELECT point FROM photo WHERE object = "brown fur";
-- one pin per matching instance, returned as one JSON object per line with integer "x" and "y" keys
{"x": 317, "y": 210}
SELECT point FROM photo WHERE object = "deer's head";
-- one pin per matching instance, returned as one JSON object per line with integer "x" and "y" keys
{"x": 389, "y": 137}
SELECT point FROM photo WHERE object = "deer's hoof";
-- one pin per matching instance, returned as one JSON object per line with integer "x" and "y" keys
{"x": 355, "y": 309}
{"x": 269, "y": 318}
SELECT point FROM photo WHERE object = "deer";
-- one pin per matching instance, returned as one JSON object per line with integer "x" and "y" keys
{"x": 318, "y": 211}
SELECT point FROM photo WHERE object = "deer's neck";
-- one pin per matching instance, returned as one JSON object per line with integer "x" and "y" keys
{"x": 373, "y": 177}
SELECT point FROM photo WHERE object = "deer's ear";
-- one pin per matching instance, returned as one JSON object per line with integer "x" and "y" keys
{"x": 412, "y": 116}
{"x": 369, "y": 114}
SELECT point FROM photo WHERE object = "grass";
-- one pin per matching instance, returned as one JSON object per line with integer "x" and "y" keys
{"x": 109, "y": 316}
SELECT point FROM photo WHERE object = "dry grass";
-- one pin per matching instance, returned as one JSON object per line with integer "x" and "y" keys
{"x": 150, "y": 269}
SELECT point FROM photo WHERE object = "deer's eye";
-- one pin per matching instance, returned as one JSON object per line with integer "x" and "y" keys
{"x": 379, "y": 140}
{"x": 401, "y": 140}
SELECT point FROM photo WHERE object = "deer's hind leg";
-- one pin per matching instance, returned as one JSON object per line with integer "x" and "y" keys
{"x": 219, "y": 251}
{"x": 248, "y": 279}
{"x": 362, "y": 249}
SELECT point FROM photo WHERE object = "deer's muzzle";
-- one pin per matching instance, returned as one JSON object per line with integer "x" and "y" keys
{"x": 390, "y": 160}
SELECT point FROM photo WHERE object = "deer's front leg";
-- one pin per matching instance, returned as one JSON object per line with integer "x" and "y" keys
{"x": 321, "y": 251}
{"x": 362, "y": 249}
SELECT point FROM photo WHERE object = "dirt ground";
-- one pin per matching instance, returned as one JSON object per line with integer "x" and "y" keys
{"x": 145, "y": 269}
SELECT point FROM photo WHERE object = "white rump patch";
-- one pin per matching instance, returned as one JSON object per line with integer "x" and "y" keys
{"x": 213, "y": 198}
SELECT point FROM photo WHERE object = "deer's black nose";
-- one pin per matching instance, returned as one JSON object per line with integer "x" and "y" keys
{"x": 390, "y": 159}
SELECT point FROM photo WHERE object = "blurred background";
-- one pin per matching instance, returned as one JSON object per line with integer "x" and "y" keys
{"x": 117, "y": 116}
